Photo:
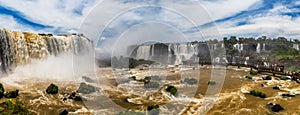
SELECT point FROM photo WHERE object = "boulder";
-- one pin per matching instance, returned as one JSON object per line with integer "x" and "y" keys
{"x": 52, "y": 89}
{"x": 86, "y": 88}
{"x": 12, "y": 94}
{"x": 275, "y": 107}
{"x": 65, "y": 112}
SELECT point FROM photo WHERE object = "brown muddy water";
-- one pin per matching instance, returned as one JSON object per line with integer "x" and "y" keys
{"x": 118, "y": 93}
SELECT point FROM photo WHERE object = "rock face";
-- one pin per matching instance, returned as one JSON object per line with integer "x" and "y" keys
{"x": 19, "y": 48}
{"x": 275, "y": 107}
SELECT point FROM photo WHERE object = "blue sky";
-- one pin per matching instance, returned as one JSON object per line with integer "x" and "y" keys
{"x": 248, "y": 18}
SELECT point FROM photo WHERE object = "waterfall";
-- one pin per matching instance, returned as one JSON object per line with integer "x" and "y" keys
{"x": 143, "y": 52}
{"x": 296, "y": 46}
{"x": 258, "y": 48}
{"x": 264, "y": 47}
{"x": 182, "y": 52}
{"x": 19, "y": 48}
{"x": 239, "y": 47}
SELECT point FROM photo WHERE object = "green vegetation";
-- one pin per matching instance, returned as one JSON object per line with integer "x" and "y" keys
{"x": 153, "y": 110}
{"x": 258, "y": 94}
{"x": 10, "y": 108}
{"x": 52, "y": 89}
{"x": 1, "y": 90}
{"x": 276, "y": 88}
{"x": 252, "y": 72}
{"x": 86, "y": 88}
{"x": 248, "y": 77}
{"x": 152, "y": 84}
{"x": 11, "y": 94}
{"x": 211, "y": 82}
{"x": 130, "y": 112}
{"x": 172, "y": 90}
{"x": 190, "y": 81}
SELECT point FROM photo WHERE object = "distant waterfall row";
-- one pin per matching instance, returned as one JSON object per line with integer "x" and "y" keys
{"x": 175, "y": 53}
{"x": 168, "y": 53}
{"x": 18, "y": 48}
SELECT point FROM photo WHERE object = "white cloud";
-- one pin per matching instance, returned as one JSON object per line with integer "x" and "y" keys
{"x": 224, "y": 8}
{"x": 55, "y": 13}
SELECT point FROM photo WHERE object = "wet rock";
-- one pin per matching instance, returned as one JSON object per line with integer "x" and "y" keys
{"x": 267, "y": 78}
{"x": 86, "y": 88}
{"x": 87, "y": 79}
{"x": 276, "y": 88}
{"x": 287, "y": 95}
{"x": 190, "y": 81}
{"x": 152, "y": 84}
{"x": 79, "y": 99}
{"x": 72, "y": 96}
{"x": 65, "y": 112}
{"x": 1, "y": 90}
{"x": 275, "y": 107}
{"x": 12, "y": 94}
{"x": 153, "y": 110}
{"x": 52, "y": 89}
{"x": 211, "y": 83}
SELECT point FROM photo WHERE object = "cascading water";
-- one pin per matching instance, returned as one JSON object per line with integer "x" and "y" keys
{"x": 258, "y": 48}
{"x": 144, "y": 52}
{"x": 239, "y": 47}
{"x": 296, "y": 46}
{"x": 182, "y": 52}
{"x": 17, "y": 48}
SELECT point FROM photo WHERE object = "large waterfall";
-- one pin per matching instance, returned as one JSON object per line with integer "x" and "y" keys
{"x": 167, "y": 53}
{"x": 19, "y": 48}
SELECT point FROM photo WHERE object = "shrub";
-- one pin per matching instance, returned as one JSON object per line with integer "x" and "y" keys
{"x": 86, "y": 88}
{"x": 248, "y": 77}
{"x": 276, "y": 88}
{"x": 190, "y": 81}
{"x": 11, "y": 94}
{"x": 1, "y": 90}
{"x": 10, "y": 108}
{"x": 152, "y": 84}
{"x": 172, "y": 90}
{"x": 258, "y": 94}
{"x": 130, "y": 112}
{"x": 153, "y": 110}
{"x": 211, "y": 83}
{"x": 52, "y": 89}
{"x": 252, "y": 72}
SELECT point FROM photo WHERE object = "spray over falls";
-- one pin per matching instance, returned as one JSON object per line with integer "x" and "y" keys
{"x": 20, "y": 48}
